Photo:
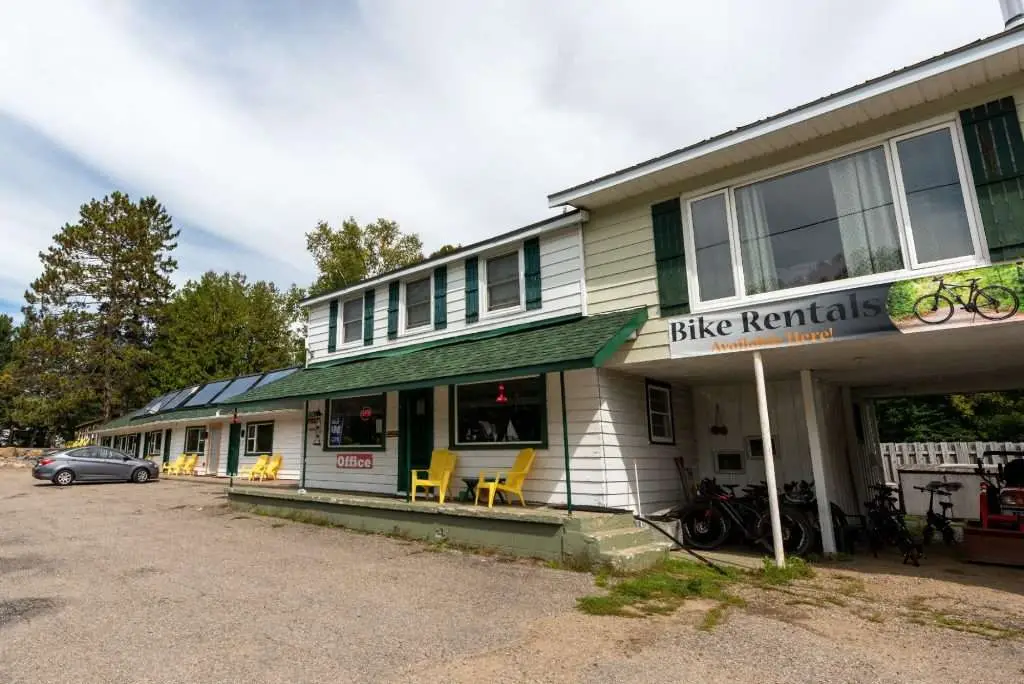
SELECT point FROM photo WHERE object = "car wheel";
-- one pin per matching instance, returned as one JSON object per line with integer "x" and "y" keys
{"x": 63, "y": 478}
{"x": 140, "y": 476}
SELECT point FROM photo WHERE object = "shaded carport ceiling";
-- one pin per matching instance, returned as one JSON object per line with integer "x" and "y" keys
{"x": 984, "y": 357}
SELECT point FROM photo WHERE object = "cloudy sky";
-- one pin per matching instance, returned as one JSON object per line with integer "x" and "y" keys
{"x": 252, "y": 119}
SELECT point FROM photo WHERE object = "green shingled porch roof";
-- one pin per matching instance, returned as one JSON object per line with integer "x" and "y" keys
{"x": 191, "y": 414}
{"x": 585, "y": 342}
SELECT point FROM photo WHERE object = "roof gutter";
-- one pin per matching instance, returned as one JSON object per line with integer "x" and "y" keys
{"x": 988, "y": 47}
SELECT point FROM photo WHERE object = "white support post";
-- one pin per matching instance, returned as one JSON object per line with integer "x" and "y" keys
{"x": 828, "y": 538}
{"x": 769, "y": 461}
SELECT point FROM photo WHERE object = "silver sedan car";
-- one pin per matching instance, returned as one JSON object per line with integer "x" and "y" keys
{"x": 93, "y": 464}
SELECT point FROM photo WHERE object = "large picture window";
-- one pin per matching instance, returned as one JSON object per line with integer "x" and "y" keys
{"x": 507, "y": 412}
{"x": 896, "y": 206}
{"x": 259, "y": 438}
{"x": 356, "y": 422}
{"x": 503, "y": 282}
{"x": 195, "y": 440}
{"x": 352, "y": 320}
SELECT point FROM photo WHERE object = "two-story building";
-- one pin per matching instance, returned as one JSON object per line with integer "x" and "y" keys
{"x": 484, "y": 351}
{"x": 807, "y": 248}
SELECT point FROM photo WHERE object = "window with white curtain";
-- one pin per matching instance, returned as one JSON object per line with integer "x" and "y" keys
{"x": 899, "y": 205}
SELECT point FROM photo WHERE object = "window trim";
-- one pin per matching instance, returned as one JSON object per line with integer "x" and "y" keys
{"x": 911, "y": 269}
{"x": 184, "y": 444}
{"x": 484, "y": 292}
{"x": 661, "y": 387}
{"x": 403, "y": 305}
{"x": 353, "y": 447}
{"x": 496, "y": 446}
{"x": 341, "y": 314}
{"x": 256, "y": 425}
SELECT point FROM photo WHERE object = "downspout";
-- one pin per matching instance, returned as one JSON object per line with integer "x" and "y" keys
{"x": 305, "y": 439}
{"x": 565, "y": 443}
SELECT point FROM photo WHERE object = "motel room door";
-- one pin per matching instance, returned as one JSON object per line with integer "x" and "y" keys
{"x": 415, "y": 432}
{"x": 234, "y": 445}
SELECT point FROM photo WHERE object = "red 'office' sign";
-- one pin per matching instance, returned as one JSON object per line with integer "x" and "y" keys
{"x": 356, "y": 461}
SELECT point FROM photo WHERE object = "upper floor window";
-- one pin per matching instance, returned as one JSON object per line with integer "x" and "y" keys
{"x": 503, "y": 289}
{"x": 352, "y": 320}
{"x": 417, "y": 303}
{"x": 899, "y": 205}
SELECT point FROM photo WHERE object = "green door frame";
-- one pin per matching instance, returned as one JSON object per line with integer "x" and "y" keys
{"x": 234, "y": 446}
{"x": 415, "y": 433}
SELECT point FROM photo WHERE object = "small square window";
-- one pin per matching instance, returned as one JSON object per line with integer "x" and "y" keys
{"x": 503, "y": 282}
{"x": 259, "y": 438}
{"x": 417, "y": 303}
{"x": 729, "y": 462}
{"x": 659, "y": 413}
{"x": 352, "y": 320}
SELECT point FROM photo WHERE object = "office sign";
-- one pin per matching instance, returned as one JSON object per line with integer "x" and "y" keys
{"x": 355, "y": 461}
{"x": 980, "y": 296}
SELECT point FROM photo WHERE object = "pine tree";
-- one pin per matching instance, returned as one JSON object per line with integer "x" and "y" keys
{"x": 90, "y": 319}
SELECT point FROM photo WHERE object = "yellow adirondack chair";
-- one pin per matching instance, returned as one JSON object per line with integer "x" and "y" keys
{"x": 272, "y": 467}
{"x": 442, "y": 465}
{"x": 172, "y": 467}
{"x": 256, "y": 469}
{"x": 514, "y": 479}
{"x": 189, "y": 467}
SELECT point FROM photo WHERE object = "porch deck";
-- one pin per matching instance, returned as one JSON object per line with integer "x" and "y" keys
{"x": 535, "y": 531}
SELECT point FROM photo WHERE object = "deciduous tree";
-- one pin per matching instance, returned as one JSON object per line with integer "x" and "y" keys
{"x": 221, "y": 326}
{"x": 346, "y": 255}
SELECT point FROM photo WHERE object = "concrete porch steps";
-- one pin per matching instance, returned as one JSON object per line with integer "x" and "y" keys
{"x": 617, "y": 541}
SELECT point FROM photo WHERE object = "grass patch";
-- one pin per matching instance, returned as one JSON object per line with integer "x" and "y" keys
{"x": 923, "y": 614}
{"x": 795, "y": 569}
{"x": 713, "y": 618}
{"x": 667, "y": 585}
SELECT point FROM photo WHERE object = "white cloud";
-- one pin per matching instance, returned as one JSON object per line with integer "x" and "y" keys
{"x": 454, "y": 118}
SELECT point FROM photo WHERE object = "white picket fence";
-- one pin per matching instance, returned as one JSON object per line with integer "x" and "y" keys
{"x": 898, "y": 454}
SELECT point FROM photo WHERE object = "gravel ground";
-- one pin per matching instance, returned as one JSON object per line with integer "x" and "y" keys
{"x": 163, "y": 583}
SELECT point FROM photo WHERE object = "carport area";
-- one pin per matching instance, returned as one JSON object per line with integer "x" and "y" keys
{"x": 818, "y": 398}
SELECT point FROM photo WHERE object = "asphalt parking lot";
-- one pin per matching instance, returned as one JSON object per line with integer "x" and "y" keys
{"x": 163, "y": 583}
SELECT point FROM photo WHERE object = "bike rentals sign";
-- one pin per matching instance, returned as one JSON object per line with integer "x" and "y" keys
{"x": 980, "y": 296}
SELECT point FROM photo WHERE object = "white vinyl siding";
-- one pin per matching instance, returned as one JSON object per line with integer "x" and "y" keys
{"x": 562, "y": 294}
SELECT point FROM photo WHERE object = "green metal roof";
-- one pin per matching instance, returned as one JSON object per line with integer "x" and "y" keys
{"x": 585, "y": 342}
{"x": 192, "y": 414}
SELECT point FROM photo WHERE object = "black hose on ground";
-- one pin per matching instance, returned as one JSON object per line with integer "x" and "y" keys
{"x": 681, "y": 543}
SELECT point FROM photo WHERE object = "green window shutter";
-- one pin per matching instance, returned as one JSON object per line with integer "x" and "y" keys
{"x": 393, "y": 290}
{"x": 472, "y": 291}
{"x": 531, "y": 268}
{"x": 996, "y": 150}
{"x": 440, "y": 297}
{"x": 167, "y": 445}
{"x": 670, "y": 257}
{"x": 332, "y": 328}
{"x": 368, "y": 303}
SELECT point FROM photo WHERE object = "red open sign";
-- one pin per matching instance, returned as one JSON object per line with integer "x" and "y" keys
{"x": 366, "y": 413}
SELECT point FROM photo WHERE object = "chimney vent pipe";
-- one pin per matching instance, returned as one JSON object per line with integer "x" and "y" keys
{"x": 1013, "y": 13}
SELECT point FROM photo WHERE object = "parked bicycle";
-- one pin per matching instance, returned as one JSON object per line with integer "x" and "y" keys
{"x": 801, "y": 494}
{"x": 939, "y": 522}
{"x": 715, "y": 514}
{"x": 993, "y": 302}
{"x": 886, "y": 526}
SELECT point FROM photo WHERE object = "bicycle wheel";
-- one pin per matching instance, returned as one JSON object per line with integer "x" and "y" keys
{"x": 797, "y": 531}
{"x": 840, "y": 528}
{"x": 933, "y": 309}
{"x": 996, "y": 303}
{"x": 948, "y": 535}
{"x": 704, "y": 526}
{"x": 927, "y": 534}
